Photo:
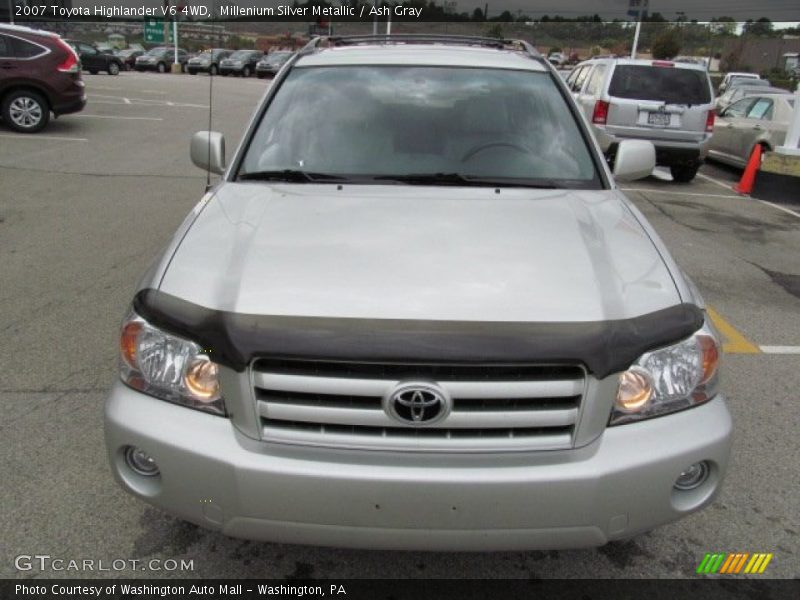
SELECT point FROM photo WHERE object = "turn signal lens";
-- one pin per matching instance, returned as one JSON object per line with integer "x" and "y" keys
{"x": 635, "y": 389}
{"x": 128, "y": 340}
{"x": 202, "y": 378}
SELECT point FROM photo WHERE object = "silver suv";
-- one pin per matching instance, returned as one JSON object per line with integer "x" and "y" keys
{"x": 668, "y": 103}
{"x": 417, "y": 312}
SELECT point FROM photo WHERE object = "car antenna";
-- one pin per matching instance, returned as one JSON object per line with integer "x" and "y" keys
{"x": 211, "y": 96}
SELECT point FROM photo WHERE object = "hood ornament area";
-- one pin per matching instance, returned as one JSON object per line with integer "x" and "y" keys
{"x": 417, "y": 404}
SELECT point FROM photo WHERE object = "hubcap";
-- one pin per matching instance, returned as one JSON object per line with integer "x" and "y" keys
{"x": 25, "y": 112}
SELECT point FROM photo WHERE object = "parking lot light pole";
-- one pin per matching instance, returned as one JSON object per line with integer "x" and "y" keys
{"x": 11, "y": 11}
{"x": 791, "y": 144}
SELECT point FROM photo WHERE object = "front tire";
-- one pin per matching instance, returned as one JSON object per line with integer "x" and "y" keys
{"x": 213, "y": 70}
{"x": 113, "y": 69}
{"x": 683, "y": 173}
{"x": 162, "y": 68}
{"x": 25, "y": 111}
{"x": 246, "y": 72}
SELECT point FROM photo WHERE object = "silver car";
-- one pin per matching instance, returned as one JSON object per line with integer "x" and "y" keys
{"x": 736, "y": 93}
{"x": 668, "y": 103}
{"x": 417, "y": 312}
{"x": 754, "y": 120}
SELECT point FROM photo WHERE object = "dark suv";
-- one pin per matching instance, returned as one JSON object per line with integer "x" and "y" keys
{"x": 39, "y": 74}
{"x": 94, "y": 61}
{"x": 160, "y": 58}
{"x": 241, "y": 62}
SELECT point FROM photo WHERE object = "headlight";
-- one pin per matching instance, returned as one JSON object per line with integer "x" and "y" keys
{"x": 669, "y": 379}
{"x": 168, "y": 367}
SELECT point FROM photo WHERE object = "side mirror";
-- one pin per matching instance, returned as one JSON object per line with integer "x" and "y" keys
{"x": 636, "y": 159}
{"x": 208, "y": 151}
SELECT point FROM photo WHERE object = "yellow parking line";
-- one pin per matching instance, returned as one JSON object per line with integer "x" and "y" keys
{"x": 735, "y": 342}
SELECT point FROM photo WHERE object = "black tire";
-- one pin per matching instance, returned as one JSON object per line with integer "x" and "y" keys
{"x": 161, "y": 68}
{"x": 113, "y": 68}
{"x": 246, "y": 71}
{"x": 212, "y": 70}
{"x": 683, "y": 173}
{"x": 25, "y": 111}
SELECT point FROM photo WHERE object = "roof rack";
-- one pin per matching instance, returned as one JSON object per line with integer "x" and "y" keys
{"x": 421, "y": 38}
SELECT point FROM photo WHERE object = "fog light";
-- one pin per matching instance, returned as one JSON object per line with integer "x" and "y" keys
{"x": 692, "y": 477}
{"x": 140, "y": 462}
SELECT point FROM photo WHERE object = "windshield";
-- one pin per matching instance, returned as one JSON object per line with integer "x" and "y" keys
{"x": 277, "y": 58}
{"x": 412, "y": 123}
{"x": 156, "y": 51}
{"x": 660, "y": 84}
{"x": 240, "y": 55}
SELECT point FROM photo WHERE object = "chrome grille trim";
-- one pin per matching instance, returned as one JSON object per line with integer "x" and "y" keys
{"x": 501, "y": 411}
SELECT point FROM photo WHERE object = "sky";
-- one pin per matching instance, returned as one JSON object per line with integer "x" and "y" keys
{"x": 740, "y": 10}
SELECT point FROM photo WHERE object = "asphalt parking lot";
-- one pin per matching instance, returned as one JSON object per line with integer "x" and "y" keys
{"x": 87, "y": 204}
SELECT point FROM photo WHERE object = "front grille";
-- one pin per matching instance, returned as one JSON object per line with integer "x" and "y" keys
{"x": 493, "y": 407}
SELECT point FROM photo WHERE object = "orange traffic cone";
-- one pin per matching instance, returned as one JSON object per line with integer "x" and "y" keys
{"x": 745, "y": 185}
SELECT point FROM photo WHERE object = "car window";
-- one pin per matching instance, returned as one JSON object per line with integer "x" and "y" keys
{"x": 740, "y": 108}
{"x": 574, "y": 76}
{"x": 661, "y": 84}
{"x": 581, "y": 78}
{"x": 762, "y": 109}
{"x": 384, "y": 121}
{"x": 595, "y": 83}
{"x": 240, "y": 55}
{"x": 22, "y": 49}
{"x": 86, "y": 49}
{"x": 5, "y": 47}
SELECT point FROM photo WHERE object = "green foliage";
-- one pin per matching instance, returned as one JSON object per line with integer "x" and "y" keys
{"x": 494, "y": 30}
{"x": 667, "y": 44}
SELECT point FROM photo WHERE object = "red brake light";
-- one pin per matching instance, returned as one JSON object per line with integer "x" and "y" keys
{"x": 663, "y": 63}
{"x": 70, "y": 64}
{"x": 600, "y": 114}
{"x": 710, "y": 121}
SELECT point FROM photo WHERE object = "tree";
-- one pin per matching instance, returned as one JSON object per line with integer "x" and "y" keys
{"x": 666, "y": 45}
{"x": 477, "y": 15}
{"x": 495, "y": 30}
{"x": 761, "y": 27}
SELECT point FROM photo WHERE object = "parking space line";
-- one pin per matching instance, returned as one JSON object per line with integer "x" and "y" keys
{"x": 81, "y": 116}
{"x": 735, "y": 342}
{"x": 24, "y": 136}
{"x": 727, "y": 186}
{"x": 673, "y": 193}
{"x": 780, "y": 349}
{"x": 783, "y": 208}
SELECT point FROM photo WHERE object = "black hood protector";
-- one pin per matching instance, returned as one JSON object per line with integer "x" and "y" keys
{"x": 234, "y": 340}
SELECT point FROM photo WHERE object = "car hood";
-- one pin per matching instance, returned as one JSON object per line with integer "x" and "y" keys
{"x": 409, "y": 252}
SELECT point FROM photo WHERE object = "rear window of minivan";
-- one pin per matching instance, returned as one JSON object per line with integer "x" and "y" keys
{"x": 660, "y": 84}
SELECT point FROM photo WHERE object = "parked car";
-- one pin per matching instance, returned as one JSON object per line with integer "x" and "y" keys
{"x": 755, "y": 120}
{"x": 94, "y": 60}
{"x": 128, "y": 57}
{"x": 557, "y": 58}
{"x": 160, "y": 59}
{"x": 428, "y": 319}
{"x": 726, "y": 81}
{"x": 39, "y": 74}
{"x": 736, "y": 93}
{"x": 241, "y": 62}
{"x": 272, "y": 63}
{"x": 207, "y": 61}
{"x": 668, "y": 103}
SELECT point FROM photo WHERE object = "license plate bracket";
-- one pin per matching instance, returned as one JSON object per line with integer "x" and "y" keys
{"x": 658, "y": 119}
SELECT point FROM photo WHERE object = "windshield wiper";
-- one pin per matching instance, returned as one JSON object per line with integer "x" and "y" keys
{"x": 292, "y": 175}
{"x": 466, "y": 180}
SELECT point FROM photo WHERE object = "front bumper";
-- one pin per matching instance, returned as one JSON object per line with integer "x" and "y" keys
{"x": 619, "y": 485}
